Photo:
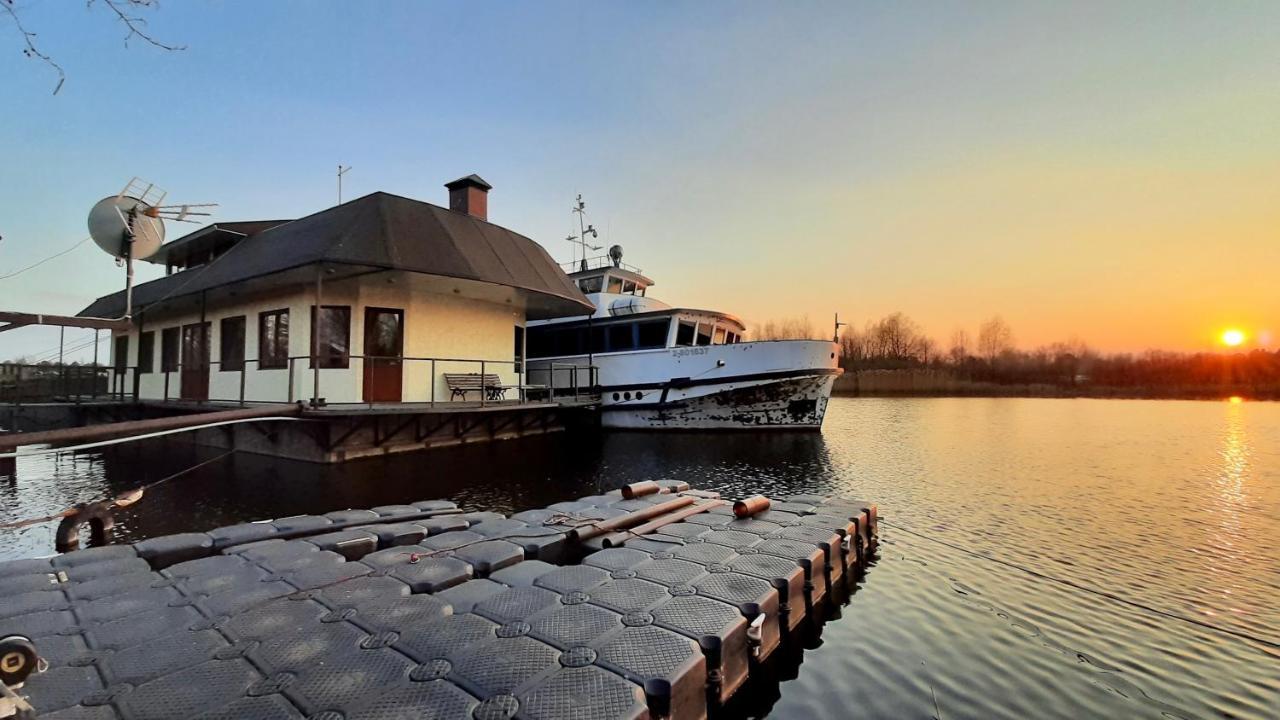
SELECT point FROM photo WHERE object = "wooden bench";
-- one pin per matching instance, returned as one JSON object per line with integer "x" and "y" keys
{"x": 490, "y": 384}
{"x": 462, "y": 383}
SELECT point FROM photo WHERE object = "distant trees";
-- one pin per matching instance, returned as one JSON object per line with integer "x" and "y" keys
{"x": 897, "y": 342}
{"x": 797, "y": 328}
{"x": 995, "y": 338}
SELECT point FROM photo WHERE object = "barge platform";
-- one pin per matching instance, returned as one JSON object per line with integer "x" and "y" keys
{"x": 653, "y": 601}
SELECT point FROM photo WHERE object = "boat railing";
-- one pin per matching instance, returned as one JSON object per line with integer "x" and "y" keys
{"x": 595, "y": 263}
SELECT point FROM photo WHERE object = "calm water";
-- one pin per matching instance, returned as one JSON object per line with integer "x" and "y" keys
{"x": 1174, "y": 505}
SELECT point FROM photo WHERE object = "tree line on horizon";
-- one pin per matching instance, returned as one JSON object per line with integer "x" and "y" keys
{"x": 896, "y": 342}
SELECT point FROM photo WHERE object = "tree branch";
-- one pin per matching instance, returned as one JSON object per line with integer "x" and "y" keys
{"x": 31, "y": 50}
{"x": 135, "y": 23}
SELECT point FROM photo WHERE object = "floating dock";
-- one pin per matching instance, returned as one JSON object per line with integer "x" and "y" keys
{"x": 662, "y": 603}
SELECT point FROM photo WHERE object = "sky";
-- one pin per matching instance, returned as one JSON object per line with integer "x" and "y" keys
{"x": 1103, "y": 171}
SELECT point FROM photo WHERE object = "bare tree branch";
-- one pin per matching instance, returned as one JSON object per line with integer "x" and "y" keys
{"x": 135, "y": 23}
{"x": 31, "y": 51}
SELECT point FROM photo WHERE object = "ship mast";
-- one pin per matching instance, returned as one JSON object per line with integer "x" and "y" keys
{"x": 584, "y": 229}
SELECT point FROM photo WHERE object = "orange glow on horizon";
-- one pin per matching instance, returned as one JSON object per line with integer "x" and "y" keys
{"x": 1235, "y": 399}
{"x": 1232, "y": 337}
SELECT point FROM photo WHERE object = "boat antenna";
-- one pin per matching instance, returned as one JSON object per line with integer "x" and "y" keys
{"x": 836, "y": 337}
{"x": 583, "y": 231}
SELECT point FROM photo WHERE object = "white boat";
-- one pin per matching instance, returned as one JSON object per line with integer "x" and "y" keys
{"x": 663, "y": 367}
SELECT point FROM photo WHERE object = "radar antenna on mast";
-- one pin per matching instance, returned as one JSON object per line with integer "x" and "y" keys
{"x": 583, "y": 232}
{"x": 130, "y": 226}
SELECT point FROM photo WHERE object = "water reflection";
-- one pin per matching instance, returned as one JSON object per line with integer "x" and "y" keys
{"x": 1174, "y": 504}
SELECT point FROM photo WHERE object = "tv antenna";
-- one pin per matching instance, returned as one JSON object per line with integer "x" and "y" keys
{"x": 583, "y": 232}
{"x": 341, "y": 171}
{"x": 130, "y": 226}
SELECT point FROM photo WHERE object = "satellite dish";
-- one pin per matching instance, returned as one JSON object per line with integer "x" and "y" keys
{"x": 130, "y": 226}
{"x": 615, "y": 254}
{"x": 113, "y": 220}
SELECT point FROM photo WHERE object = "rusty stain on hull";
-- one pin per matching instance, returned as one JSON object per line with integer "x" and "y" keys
{"x": 798, "y": 403}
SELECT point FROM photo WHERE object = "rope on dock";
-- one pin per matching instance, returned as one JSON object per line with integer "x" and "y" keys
{"x": 144, "y": 436}
{"x": 1239, "y": 634}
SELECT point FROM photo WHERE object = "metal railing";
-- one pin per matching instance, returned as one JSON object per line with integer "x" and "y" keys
{"x": 595, "y": 263}
{"x": 20, "y": 382}
{"x": 302, "y": 382}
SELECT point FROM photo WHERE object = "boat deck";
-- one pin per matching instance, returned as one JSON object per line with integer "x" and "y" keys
{"x": 401, "y": 609}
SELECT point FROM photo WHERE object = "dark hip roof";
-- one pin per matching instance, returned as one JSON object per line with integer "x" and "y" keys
{"x": 379, "y": 231}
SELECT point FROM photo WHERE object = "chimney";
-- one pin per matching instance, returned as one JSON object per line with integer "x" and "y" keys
{"x": 470, "y": 195}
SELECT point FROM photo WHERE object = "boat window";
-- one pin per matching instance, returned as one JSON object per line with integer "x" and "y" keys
{"x": 653, "y": 334}
{"x": 628, "y": 287}
{"x": 597, "y": 344}
{"x": 719, "y": 336}
{"x": 622, "y": 337}
{"x": 731, "y": 338}
{"x": 704, "y": 334}
{"x": 539, "y": 342}
{"x": 615, "y": 285}
{"x": 567, "y": 342}
{"x": 591, "y": 284}
{"x": 685, "y": 333}
{"x": 640, "y": 290}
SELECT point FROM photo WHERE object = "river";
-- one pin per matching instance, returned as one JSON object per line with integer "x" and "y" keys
{"x": 1040, "y": 557}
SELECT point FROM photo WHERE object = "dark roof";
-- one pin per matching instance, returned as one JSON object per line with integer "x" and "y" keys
{"x": 210, "y": 237}
{"x": 471, "y": 179}
{"x": 379, "y": 232}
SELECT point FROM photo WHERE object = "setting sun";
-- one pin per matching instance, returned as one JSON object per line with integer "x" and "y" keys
{"x": 1232, "y": 337}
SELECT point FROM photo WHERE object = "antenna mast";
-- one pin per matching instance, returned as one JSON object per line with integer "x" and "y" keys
{"x": 341, "y": 171}
{"x": 583, "y": 231}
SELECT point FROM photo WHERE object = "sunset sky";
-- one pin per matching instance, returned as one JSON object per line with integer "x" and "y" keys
{"x": 1109, "y": 171}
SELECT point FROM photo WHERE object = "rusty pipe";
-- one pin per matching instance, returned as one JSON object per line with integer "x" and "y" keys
{"x": 618, "y": 538}
{"x": 640, "y": 489}
{"x": 751, "y": 506}
{"x": 587, "y": 532}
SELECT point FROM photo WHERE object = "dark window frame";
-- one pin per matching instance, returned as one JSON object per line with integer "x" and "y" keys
{"x": 230, "y": 353}
{"x": 681, "y": 339}
{"x": 330, "y": 360}
{"x": 120, "y": 354}
{"x": 270, "y": 356}
{"x": 146, "y": 352}
{"x": 170, "y": 349}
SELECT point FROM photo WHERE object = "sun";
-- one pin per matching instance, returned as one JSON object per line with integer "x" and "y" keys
{"x": 1232, "y": 337}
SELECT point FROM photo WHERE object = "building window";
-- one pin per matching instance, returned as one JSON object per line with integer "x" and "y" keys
{"x": 169, "y": 344}
{"x": 273, "y": 339}
{"x": 685, "y": 333}
{"x": 519, "y": 351}
{"x": 121, "y": 354}
{"x": 146, "y": 352}
{"x": 333, "y": 337}
{"x": 231, "y": 344}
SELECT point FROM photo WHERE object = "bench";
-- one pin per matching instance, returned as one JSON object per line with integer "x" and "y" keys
{"x": 489, "y": 383}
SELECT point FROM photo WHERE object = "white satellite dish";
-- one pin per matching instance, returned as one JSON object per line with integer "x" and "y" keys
{"x": 122, "y": 227}
{"x": 130, "y": 226}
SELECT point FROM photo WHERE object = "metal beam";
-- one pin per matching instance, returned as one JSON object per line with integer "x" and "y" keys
{"x": 20, "y": 319}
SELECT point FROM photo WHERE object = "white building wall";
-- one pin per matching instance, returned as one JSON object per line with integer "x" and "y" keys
{"x": 437, "y": 325}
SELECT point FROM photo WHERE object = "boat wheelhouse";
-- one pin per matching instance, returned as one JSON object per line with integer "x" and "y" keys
{"x": 668, "y": 367}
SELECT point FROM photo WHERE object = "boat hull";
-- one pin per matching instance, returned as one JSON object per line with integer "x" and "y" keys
{"x": 793, "y": 403}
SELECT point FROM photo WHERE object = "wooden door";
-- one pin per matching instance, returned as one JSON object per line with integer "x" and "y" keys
{"x": 195, "y": 361}
{"x": 383, "y": 352}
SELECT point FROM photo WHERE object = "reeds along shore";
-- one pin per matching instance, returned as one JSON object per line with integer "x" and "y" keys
{"x": 927, "y": 382}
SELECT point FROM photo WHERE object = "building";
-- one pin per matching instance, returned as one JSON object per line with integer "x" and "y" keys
{"x": 375, "y": 300}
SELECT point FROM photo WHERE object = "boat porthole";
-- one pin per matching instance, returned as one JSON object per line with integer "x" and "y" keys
{"x": 833, "y": 356}
{"x": 626, "y": 395}
{"x": 615, "y": 396}
{"x": 639, "y": 395}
